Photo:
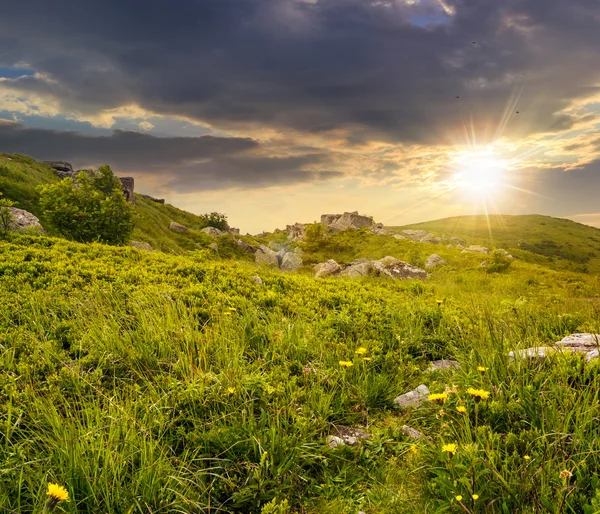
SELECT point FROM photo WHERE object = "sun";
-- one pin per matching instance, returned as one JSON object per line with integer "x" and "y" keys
{"x": 480, "y": 172}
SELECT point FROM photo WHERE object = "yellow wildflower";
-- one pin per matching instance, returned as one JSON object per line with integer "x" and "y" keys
{"x": 346, "y": 364}
{"x": 479, "y": 394}
{"x": 526, "y": 457}
{"x": 367, "y": 359}
{"x": 230, "y": 390}
{"x": 439, "y": 302}
{"x": 361, "y": 351}
{"x": 458, "y": 498}
{"x": 482, "y": 369}
{"x": 475, "y": 496}
{"x": 57, "y": 493}
{"x": 461, "y": 408}
{"x": 441, "y": 397}
{"x": 449, "y": 448}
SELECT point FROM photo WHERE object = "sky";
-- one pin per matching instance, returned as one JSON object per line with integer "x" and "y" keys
{"x": 277, "y": 111}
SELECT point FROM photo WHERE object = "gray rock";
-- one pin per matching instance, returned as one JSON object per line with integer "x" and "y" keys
{"x": 379, "y": 230}
{"x": 60, "y": 166}
{"x": 587, "y": 344}
{"x": 505, "y": 254}
{"x": 257, "y": 280}
{"x": 443, "y": 364}
{"x": 177, "y": 227}
{"x": 421, "y": 236}
{"x": 152, "y": 199}
{"x": 351, "y": 435}
{"x": 334, "y": 441}
{"x": 397, "y": 269}
{"x": 212, "y": 231}
{"x": 434, "y": 260}
{"x": 140, "y": 245}
{"x": 457, "y": 241}
{"x": 398, "y": 236}
{"x": 413, "y": 433}
{"x": 476, "y": 249}
{"x": 538, "y": 352}
{"x": 248, "y": 248}
{"x": 327, "y": 269}
{"x": 266, "y": 256}
{"x": 358, "y": 268}
{"x": 291, "y": 261}
{"x": 346, "y": 221}
{"x": 296, "y": 232}
{"x": 127, "y": 183}
{"x": 580, "y": 342}
{"x": 22, "y": 220}
{"x": 413, "y": 398}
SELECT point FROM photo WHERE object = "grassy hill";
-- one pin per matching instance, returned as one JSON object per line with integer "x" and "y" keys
{"x": 149, "y": 383}
{"x": 21, "y": 175}
{"x": 551, "y": 241}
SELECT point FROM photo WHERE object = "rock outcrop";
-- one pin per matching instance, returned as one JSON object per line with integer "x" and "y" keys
{"x": 346, "y": 221}
{"x": 177, "y": 227}
{"x": 152, "y": 199}
{"x": 290, "y": 261}
{"x": 476, "y": 249}
{"x": 421, "y": 236}
{"x": 379, "y": 230}
{"x": 22, "y": 220}
{"x": 326, "y": 269}
{"x": 586, "y": 344}
{"x": 212, "y": 231}
{"x": 433, "y": 261}
{"x": 397, "y": 269}
{"x": 386, "y": 267}
{"x": 413, "y": 398}
{"x": 265, "y": 256}
{"x": 296, "y": 231}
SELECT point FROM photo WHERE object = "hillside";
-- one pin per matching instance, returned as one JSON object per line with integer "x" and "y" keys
{"x": 198, "y": 390}
{"x": 555, "y": 242}
{"x": 20, "y": 175}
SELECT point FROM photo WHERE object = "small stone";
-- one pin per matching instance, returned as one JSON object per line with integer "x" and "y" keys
{"x": 326, "y": 269}
{"x": 141, "y": 245}
{"x": 443, "y": 364}
{"x": 434, "y": 260}
{"x": 352, "y": 435}
{"x": 413, "y": 433}
{"x": 476, "y": 249}
{"x": 334, "y": 441}
{"x": 212, "y": 231}
{"x": 257, "y": 280}
{"x": 413, "y": 398}
{"x": 538, "y": 352}
{"x": 177, "y": 227}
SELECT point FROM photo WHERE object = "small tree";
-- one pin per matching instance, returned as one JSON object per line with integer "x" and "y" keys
{"x": 89, "y": 207}
{"x": 6, "y": 216}
{"x": 216, "y": 220}
{"x": 499, "y": 262}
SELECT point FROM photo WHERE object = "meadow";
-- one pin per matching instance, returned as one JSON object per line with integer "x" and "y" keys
{"x": 148, "y": 383}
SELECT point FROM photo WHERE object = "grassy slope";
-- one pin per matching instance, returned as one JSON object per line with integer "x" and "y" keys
{"x": 150, "y": 383}
{"x": 552, "y": 241}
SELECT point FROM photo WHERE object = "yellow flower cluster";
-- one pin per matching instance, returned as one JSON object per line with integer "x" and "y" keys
{"x": 346, "y": 364}
{"x": 479, "y": 394}
{"x": 440, "y": 397}
{"x": 449, "y": 448}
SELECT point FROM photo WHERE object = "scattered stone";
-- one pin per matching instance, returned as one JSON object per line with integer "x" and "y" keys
{"x": 152, "y": 199}
{"x": 457, "y": 241}
{"x": 397, "y": 269}
{"x": 141, "y": 245}
{"x": 248, "y": 248}
{"x": 177, "y": 227}
{"x": 443, "y": 364}
{"x": 346, "y": 221}
{"x": 413, "y": 398}
{"x": 358, "y": 268}
{"x": 379, "y": 230}
{"x": 351, "y": 435}
{"x": 484, "y": 264}
{"x": 233, "y": 231}
{"x": 434, "y": 260}
{"x": 538, "y": 352}
{"x": 296, "y": 231}
{"x": 334, "y": 441}
{"x": 212, "y": 231}
{"x": 266, "y": 256}
{"x": 22, "y": 220}
{"x": 398, "y": 236}
{"x": 326, "y": 269}
{"x": 582, "y": 343}
{"x": 476, "y": 249}
{"x": 422, "y": 236}
{"x": 257, "y": 280}
{"x": 413, "y": 433}
{"x": 505, "y": 254}
{"x": 291, "y": 261}
{"x": 586, "y": 344}
{"x": 214, "y": 247}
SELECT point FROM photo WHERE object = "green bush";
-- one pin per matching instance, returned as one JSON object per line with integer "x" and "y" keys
{"x": 89, "y": 207}
{"x": 5, "y": 215}
{"x": 499, "y": 262}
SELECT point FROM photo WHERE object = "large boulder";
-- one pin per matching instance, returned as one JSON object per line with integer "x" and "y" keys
{"x": 476, "y": 249}
{"x": 397, "y": 269}
{"x": 152, "y": 199}
{"x": 140, "y": 245}
{"x": 266, "y": 256}
{"x": 177, "y": 227}
{"x": 212, "y": 231}
{"x": 346, "y": 221}
{"x": 62, "y": 166}
{"x": 358, "y": 268}
{"x": 585, "y": 344}
{"x": 434, "y": 260}
{"x": 22, "y": 220}
{"x": 127, "y": 183}
{"x": 296, "y": 231}
{"x": 421, "y": 236}
{"x": 379, "y": 230}
{"x": 327, "y": 269}
{"x": 248, "y": 248}
{"x": 291, "y": 261}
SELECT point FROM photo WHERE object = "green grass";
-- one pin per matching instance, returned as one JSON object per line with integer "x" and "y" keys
{"x": 147, "y": 383}
{"x": 554, "y": 242}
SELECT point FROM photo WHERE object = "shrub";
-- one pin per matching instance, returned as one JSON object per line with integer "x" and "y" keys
{"x": 499, "y": 262}
{"x": 89, "y": 207}
{"x": 5, "y": 216}
{"x": 216, "y": 220}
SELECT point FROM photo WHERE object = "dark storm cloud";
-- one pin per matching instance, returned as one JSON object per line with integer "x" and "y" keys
{"x": 186, "y": 163}
{"x": 355, "y": 64}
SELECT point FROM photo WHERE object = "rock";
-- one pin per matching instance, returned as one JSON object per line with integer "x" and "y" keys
{"x": 248, "y": 248}
{"x": 586, "y": 344}
{"x": 413, "y": 398}
{"x": 212, "y": 231}
{"x": 538, "y": 352}
{"x": 358, "y": 268}
{"x": 422, "y": 236}
{"x": 326, "y": 269}
{"x": 291, "y": 261}
{"x": 434, "y": 260}
{"x": 140, "y": 245}
{"x": 214, "y": 247}
{"x": 443, "y": 364}
{"x": 152, "y": 199}
{"x": 177, "y": 227}
{"x": 262, "y": 234}
{"x": 398, "y": 236}
{"x": 266, "y": 256}
{"x": 397, "y": 269}
{"x": 233, "y": 231}
{"x": 296, "y": 231}
{"x": 457, "y": 241}
{"x": 379, "y": 230}
{"x": 459, "y": 247}
{"x": 60, "y": 166}
{"x": 257, "y": 280}
{"x": 346, "y": 221}
{"x": 334, "y": 441}
{"x": 505, "y": 254}
{"x": 351, "y": 435}
{"x": 484, "y": 264}
{"x": 476, "y": 249}
{"x": 413, "y": 433}
{"x": 127, "y": 184}
{"x": 22, "y": 220}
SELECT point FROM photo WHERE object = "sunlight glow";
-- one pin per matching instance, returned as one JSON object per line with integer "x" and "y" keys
{"x": 480, "y": 172}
